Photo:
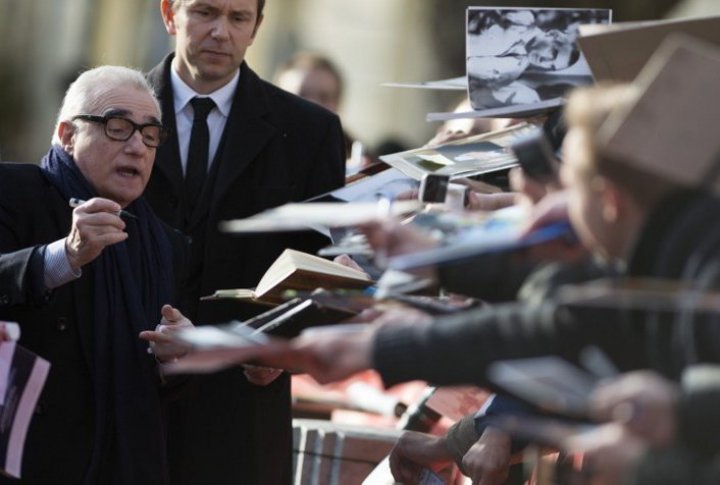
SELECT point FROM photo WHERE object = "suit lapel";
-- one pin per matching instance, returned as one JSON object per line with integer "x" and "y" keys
{"x": 167, "y": 159}
{"x": 246, "y": 133}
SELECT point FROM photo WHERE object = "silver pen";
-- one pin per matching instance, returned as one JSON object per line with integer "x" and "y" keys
{"x": 73, "y": 202}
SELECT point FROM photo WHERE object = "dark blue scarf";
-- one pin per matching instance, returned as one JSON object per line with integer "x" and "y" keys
{"x": 132, "y": 280}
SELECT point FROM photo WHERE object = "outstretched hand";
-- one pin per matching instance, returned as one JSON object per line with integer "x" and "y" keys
{"x": 161, "y": 342}
{"x": 416, "y": 451}
{"x": 328, "y": 354}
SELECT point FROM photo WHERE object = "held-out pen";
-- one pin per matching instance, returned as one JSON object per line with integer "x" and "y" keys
{"x": 73, "y": 202}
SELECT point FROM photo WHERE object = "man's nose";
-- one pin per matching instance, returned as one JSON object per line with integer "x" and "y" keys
{"x": 135, "y": 143}
{"x": 220, "y": 28}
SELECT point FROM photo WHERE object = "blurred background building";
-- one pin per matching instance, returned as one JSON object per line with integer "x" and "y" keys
{"x": 46, "y": 43}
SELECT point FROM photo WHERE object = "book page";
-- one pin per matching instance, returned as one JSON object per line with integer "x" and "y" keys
{"x": 300, "y": 216}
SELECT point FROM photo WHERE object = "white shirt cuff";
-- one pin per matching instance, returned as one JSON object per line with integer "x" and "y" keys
{"x": 57, "y": 266}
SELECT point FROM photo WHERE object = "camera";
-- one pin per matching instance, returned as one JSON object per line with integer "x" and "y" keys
{"x": 536, "y": 157}
{"x": 434, "y": 188}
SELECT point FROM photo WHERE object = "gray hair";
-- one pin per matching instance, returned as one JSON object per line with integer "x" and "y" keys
{"x": 84, "y": 93}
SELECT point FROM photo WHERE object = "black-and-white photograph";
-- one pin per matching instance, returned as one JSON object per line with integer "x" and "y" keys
{"x": 525, "y": 56}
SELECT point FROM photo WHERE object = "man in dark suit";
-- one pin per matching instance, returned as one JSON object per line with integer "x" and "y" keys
{"x": 84, "y": 283}
{"x": 260, "y": 147}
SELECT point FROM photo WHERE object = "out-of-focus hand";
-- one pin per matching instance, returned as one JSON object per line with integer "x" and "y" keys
{"x": 531, "y": 191}
{"x": 610, "y": 451}
{"x": 415, "y": 451}
{"x": 552, "y": 208}
{"x": 487, "y": 462}
{"x": 446, "y": 136}
{"x": 161, "y": 341}
{"x": 348, "y": 261}
{"x": 489, "y": 202}
{"x": 95, "y": 225}
{"x": 644, "y": 401}
{"x": 401, "y": 315}
{"x": 328, "y": 354}
{"x": 261, "y": 376}
{"x": 395, "y": 238}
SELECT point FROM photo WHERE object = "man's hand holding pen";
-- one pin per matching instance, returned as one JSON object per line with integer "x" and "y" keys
{"x": 96, "y": 224}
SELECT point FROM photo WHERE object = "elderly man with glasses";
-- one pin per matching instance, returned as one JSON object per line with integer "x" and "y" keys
{"x": 89, "y": 285}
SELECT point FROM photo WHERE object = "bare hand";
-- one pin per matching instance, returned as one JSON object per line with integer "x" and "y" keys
{"x": 487, "y": 462}
{"x": 552, "y": 208}
{"x": 395, "y": 238}
{"x": 610, "y": 453}
{"x": 95, "y": 226}
{"x": 415, "y": 451}
{"x": 489, "y": 202}
{"x": 261, "y": 376}
{"x": 346, "y": 260}
{"x": 328, "y": 354}
{"x": 644, "y": 401}
{"x": 161, "y": 341}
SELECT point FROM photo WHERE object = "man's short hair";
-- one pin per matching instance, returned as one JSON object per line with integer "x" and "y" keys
{"x": 92, "y": 85}
{"x": 260, "y": 5}
{"x": 587, "y": 110}
{"x": 305, "y": 61}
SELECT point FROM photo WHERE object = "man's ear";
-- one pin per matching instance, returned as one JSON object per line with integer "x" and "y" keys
{"x": 257, "y": 27}
{"x": 168, "y": 15}
{"x": 66, "y": 133}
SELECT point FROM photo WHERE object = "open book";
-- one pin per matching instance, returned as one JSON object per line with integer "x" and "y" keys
{"x": 295, "y": 270}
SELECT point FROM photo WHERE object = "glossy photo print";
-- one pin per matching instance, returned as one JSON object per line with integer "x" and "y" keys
{"x": 524, "y": 57}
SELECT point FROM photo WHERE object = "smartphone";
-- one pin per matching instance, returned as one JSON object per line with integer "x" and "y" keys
{"x": 434, "y": 188}
{"x": 536, "y": 157}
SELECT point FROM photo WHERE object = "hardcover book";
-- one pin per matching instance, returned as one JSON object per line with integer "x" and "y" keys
{"x": 295, "y": 270}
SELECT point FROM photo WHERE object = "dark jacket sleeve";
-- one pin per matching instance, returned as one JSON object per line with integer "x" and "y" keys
{"x": 699, "y": 410}
{"x": 21, "y": 266}
{"x": 489, "y": 277}
{"x": 21, "y": 277}
{"x": 458, "y": 349}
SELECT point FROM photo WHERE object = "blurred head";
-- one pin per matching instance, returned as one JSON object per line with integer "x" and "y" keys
{"x": 552, "y": 51}
{"x": 608, "y": 198}
{"x": 211, "y": 38}
{"x": 103, "y": 106}
{"x": 312, "y": 77}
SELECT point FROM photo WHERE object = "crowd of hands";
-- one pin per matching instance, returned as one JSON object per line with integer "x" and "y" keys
{"x": 638, "y": 409}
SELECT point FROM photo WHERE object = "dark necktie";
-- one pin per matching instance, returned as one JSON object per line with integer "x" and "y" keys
{"x": 197, "y": 160}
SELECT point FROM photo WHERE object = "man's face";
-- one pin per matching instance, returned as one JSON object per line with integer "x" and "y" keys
{"x": 317, "y": 85}
{"x": 552, "y": 51}
{"x": 584, "y": 201}
{"x": 117, "y": 170}
{"x": 211, "y": 38}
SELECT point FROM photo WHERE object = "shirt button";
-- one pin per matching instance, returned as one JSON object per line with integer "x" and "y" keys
{"x": 61, "y": 324}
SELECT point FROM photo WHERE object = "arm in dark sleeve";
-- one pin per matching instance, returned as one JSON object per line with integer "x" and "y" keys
{"x": 458, "y": 349}
{"x": 21, "y": 277}
{"x": 490, "y": 277}
{"x": 699, "y": 410}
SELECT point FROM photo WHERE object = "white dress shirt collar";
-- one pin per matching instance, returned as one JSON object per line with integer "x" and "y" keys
{"x": 223, "y": 97}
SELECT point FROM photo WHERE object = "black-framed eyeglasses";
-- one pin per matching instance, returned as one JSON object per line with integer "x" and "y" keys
{"x": 121, "y": 129}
